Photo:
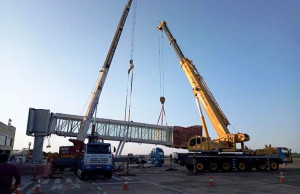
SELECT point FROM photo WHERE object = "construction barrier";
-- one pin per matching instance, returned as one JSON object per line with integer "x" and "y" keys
{"x": 18, "y": 190}
{"x": 281, "y": 177}
{"x": 125, "y": 185}
{"x": 210, "y": 181}
{"x": 38, "y": 187}
{"x": 15, "y": 191}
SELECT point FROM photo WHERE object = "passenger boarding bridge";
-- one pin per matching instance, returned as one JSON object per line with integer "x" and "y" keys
{"x": 114, "y": 130}
{"x": 42, "y": 123}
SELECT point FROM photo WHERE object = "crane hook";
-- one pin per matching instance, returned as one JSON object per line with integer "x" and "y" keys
{"x": 131, "y": 65}
{"x": 162, "y": 100}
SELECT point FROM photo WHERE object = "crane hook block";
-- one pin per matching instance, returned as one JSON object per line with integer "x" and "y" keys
{"x": 162, "y": 100}
{"x": 131, "y": 65}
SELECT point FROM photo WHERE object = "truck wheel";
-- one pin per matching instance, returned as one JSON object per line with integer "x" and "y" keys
{"x": 226, "y": 166}
{"x": 190, "y": 167}
{"x": 261, "y": 166}
{"x": 108, "y": 175}
{"x": 75, "y": 169}
{"x": 274, "y": 165}
{"x": 80, "y": 174}
{"x": 200, "y": 166}
{"x": 213, "y": 166}
{"x": 53, "y": 167}
{"x": 241, "y": 166}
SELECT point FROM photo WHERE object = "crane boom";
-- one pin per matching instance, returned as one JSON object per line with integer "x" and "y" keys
{"x": 102, "y": 76}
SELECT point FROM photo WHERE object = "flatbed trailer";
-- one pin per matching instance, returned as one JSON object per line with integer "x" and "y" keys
{"x": 215, "y": 161}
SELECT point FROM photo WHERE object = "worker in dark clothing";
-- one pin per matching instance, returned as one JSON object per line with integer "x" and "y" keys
{"x": 7, "y": 172}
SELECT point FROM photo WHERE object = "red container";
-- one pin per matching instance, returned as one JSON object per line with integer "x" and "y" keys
{"x": 181, "y": 135}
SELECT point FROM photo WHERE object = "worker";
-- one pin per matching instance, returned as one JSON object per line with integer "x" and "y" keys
{"x": 7, "y": 172}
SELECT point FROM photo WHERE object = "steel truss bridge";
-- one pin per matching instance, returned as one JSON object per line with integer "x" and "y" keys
{"x": 115, "y": 130}
{"x": 41, "y": 123}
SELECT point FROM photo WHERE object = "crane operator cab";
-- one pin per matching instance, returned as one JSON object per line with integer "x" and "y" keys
{"x": 226, "y": 143}
{"x": 201, "y": 144}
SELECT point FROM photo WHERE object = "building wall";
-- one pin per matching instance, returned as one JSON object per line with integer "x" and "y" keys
{"x": 7, "y": 138}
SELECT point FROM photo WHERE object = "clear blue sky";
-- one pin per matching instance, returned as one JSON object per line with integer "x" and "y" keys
{"x": 247, "y": 51}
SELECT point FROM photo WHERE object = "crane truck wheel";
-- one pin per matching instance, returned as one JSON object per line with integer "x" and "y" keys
{"x": 200, "y": 166}
{"x": 213, "y": 166}
{"x": 226, "y": 166}
{"x": 261, "y": 166}
{"x": 80, "y": 174}
{"x": 241, "y": 165}
{"x": 53, "y": 168}
{"x": 190, "y": 167}
{"x": 108, "y": 175}
{"x": 75, "y": 168}
{"x": 274, "y": 165}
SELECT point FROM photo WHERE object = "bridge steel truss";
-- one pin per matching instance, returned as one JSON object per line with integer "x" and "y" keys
{"x": 115, "y": 130}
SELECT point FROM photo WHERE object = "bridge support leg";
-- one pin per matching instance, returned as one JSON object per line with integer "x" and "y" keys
{"x": 38, "y": 148}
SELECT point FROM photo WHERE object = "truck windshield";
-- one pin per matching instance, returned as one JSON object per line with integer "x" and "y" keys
{"x": 98, "y": 149}
{"x": 285, "y": 151}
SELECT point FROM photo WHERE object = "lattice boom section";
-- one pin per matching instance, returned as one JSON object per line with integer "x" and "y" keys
{"x": 68, "y": 125}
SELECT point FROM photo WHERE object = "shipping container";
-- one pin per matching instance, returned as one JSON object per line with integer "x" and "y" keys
{"x": 181, "y": 135}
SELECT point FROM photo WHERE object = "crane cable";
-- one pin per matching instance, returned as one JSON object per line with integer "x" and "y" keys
{"x": 131, "y": 66}
{"x": 130, "y": 72}
{"x": 160, "y": 63}
{"x": 162, "y": 99}
{"x": 128, "y": 104}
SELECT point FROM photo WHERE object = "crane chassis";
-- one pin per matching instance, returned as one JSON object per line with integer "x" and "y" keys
{"x": 215, "y": 161}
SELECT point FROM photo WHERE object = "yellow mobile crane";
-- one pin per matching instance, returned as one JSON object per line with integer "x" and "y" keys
{"x": 221, "y": 152}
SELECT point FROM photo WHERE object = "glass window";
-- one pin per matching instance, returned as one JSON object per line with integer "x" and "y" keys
{"x": 193, "y": 142}
{"x": 285, "y": 151}
{"x": 98, "y": 149}
{"x": 8, "y": 140}
{"x": 2, "y": 140}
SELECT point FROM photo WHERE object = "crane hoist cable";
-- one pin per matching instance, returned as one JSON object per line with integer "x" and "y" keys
{"x": 88, "y": 99}
{"x": 131, "y": 66}
{"x": 133, "y": 28}
{"x": 160, "y": 63}
{"x": 128, "y": 104}
{"x": 129, "y": 77}
{"x": 162, "y": 99}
